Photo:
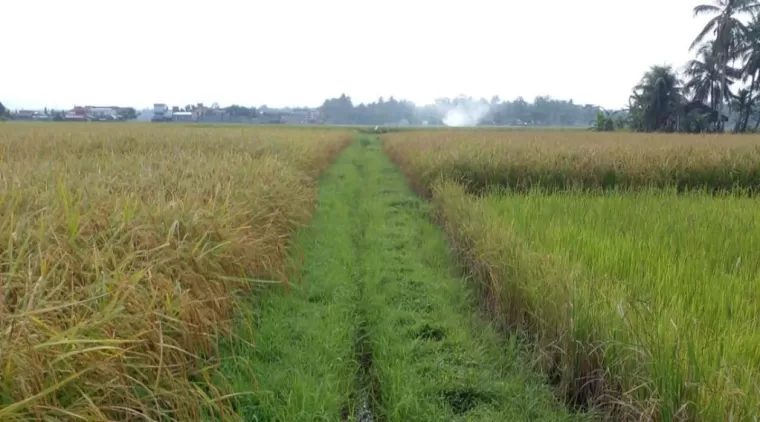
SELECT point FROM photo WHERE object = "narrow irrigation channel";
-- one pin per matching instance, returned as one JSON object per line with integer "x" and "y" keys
{"x": 378, "y": 328}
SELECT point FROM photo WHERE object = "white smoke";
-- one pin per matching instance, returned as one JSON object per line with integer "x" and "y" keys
{"x": 465, "y": 113}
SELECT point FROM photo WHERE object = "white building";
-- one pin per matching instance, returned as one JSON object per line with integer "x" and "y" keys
{"x": 182, "y": 116}
{"x": 161, "y": 112}
{"x": 101, "y": 112}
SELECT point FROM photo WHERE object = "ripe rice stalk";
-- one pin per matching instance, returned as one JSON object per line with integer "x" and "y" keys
{"x": 123, "y": 251}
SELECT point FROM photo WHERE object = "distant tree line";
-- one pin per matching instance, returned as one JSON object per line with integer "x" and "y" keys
{"x": 342, "y": 110}
{"x": 544, "y": 111}
{"x": 241, "y": 111}
{"x": 718, "y": 89}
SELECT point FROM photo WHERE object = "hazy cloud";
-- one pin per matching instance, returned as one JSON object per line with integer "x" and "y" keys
{"x": 298, "y": 52}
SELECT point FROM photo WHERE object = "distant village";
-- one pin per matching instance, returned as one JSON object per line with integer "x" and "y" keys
{"x": 85, "y": 113}
{"x": 459, "y": 111}
{"x": 165, "y": 113}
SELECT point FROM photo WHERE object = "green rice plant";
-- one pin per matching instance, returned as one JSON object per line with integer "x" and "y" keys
{"x": 642, "y": 297}
{"x": 644, "y": 304}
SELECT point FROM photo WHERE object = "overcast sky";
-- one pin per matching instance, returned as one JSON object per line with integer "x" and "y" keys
{"x": 278, "y": 52}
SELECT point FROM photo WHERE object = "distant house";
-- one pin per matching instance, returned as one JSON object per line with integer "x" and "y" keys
{"x": 297, "y": 116}
{"x": 161, "y": 113}
{"x": 77, "y": 114}
{"x": 703, "y": 108}
{"x": 91, "y": 113}
{"x": 294, "y": 117}
{"x": 183, "y": 116}
{"x": 199, "y": 113}
{"x": 314, "y": 115}
{"x": 706, "y": 122}
{"x": 26, "y": 114}
{"x": 101, "y": 113}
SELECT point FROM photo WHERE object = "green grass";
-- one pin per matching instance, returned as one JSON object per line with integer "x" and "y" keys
{"x": 669, "y": 284}
{"x": 378, "y": 320}
{"x": 298, "y": 357}
{"x": 434, "y": 359}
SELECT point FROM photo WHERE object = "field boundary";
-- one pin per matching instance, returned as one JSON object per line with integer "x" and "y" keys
{"x": 622, "y": 377}
{"x": 503, "y": 269}
{"x": 589, "y": 386}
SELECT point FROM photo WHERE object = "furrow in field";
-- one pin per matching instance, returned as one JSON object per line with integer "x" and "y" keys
{"x": 378, "y": 329}
{"x": 365, "y": 401}
{"x": 433, "y": 358}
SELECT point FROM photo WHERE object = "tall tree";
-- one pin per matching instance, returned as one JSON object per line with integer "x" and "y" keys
{"x": 729, "y": 31}
{"x": 742, "y": 104}
{"x": 657, "y": 101}
{"x": 705, "y": 80}
{"x": 750, "y": 54}
{"x": 703, "y": 75}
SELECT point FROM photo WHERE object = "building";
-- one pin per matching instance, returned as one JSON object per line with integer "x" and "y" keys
{"x": 183, "y": 116}
{"x": 314, "y": 115}
{"x": 77, "y": 114}
{"x": 27, "y": 115}
{"x": 161, "y": 113}
{"x": 101, "y": 113}
{"x": 199, "y": 113}
{"x": 298, "y": 116}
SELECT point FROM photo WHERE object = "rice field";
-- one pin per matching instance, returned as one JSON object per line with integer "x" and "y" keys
{"x": 578, "y": 160}
{"x": 121, "y": 250}
{"x": 130, "y": 255}
{"x": 630, "y": 259}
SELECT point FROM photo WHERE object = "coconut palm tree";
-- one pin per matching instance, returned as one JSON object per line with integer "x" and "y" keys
{"x": 729, "y": 31}
{"x": 725, "y": 25}
{"x": 742, "y": 103}
{"x": 703, "y": 76}
{"x": 705, "y": 80}
{"x": 749, "y": 51}
{"x": 656, "y": 101}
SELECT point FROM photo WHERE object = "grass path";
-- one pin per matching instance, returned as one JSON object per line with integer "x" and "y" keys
{"x": 379, "y": 329}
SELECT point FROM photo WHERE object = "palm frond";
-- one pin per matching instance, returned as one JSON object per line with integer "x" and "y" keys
{"x": 705, "y": 8}
{"x": 733, "y": 72}
{"x": 711, "y": 25}
{"x": 750, "y": 7}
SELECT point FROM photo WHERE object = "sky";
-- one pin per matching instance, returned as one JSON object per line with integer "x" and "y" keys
{"x": 297, "y": 53}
